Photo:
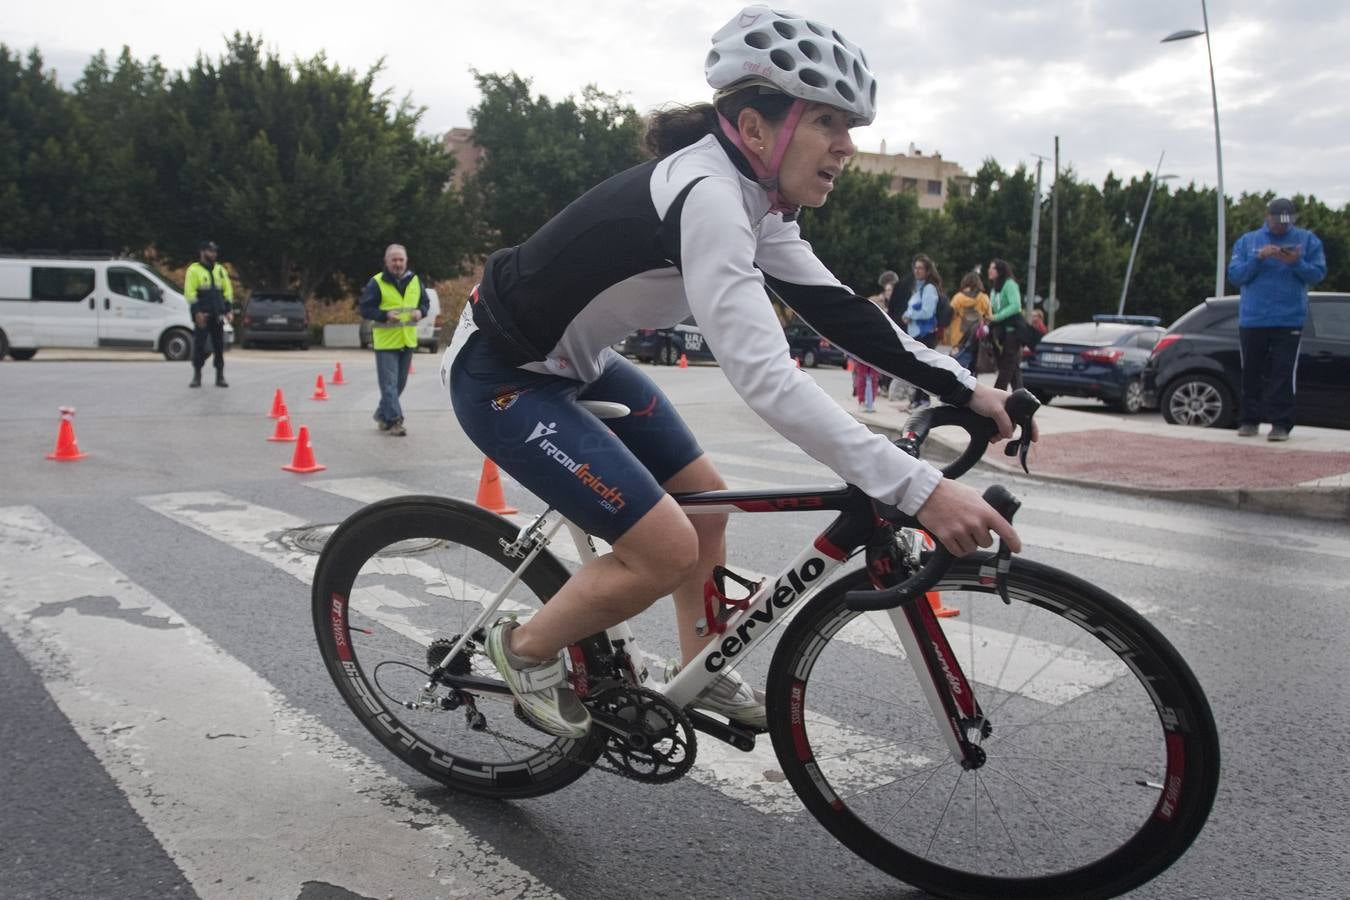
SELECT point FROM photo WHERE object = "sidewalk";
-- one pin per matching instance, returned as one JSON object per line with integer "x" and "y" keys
{"x": 1083, "y": 442}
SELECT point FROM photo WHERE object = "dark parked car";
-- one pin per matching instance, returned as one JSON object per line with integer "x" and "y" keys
{"x": 274, "y": 317}
{"x": 812, "y": 349}
{"x": 663, "y": 346}
{"x": 1103, "y": 358}
{"x": 1196, "y": 368}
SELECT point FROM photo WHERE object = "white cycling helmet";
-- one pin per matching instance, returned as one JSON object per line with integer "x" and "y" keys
{"x": 803, "y": 59}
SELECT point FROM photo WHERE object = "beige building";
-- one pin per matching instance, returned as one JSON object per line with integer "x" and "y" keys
{"x": 926, "y": 177}
{"x": 467, "y": 154}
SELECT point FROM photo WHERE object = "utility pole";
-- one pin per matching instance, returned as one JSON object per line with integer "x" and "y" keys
{"x": 1052, "y": 305}
{"x": 1029, "y": 301}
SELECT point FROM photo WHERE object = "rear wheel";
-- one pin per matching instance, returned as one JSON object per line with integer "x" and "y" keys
{"x": 1132, "y": 400}
{"x": 1101, "y": 758}
{"x": 667, "y": 355}
{"x": 22, "y": 355}
{"x": 396, "y": 584}
{"x": 176, "y": 345}
{"x": 1199, "y": 400}
{"x": 809, "y": 359}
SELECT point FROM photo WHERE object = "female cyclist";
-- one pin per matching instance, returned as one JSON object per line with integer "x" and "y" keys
{"x": 703, "y": 228}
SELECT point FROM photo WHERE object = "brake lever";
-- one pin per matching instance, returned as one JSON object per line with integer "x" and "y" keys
{"x": 1007, "y": 506}
{"x": 1019, "y": 447}
{"x": 1022, "y": 405}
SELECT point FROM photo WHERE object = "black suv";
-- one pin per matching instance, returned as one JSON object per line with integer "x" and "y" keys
{"x": 812, "y": 349}
{"x": 275, "y": 317}
{"x": 1195, "y": 371}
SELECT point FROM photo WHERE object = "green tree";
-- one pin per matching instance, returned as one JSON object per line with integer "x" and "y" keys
{"x": 863, "y": 229}
{"x": 302, "y": 171}
{"x": 542, "y": 155}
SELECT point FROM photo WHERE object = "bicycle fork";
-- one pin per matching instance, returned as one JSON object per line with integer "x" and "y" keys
{"x": 949, "y": 693}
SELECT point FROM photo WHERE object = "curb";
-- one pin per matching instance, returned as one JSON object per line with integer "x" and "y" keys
{"x": 1331, "y": 503}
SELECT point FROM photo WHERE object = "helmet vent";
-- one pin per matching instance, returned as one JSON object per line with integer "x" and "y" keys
{"x": 759, "y": 40}
{"x": 810, "y": 50}
{"x": 817, "y": 29}
{"x": 783, "y": 60}
{"x": 841, "y": 61}
{"x": 785, "y": 30}
{"x": 845, "y": 91}
{"x": 813, "y": 78}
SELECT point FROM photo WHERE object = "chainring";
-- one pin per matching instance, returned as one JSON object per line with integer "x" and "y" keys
{"x": 650, "y": 740}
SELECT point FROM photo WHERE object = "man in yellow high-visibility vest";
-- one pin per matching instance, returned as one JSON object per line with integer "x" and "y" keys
{"x": 394, "y": 300}
{"x": 209, "y": 295}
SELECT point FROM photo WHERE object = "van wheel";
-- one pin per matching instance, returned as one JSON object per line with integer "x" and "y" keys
{"x": 176, "y": 345}
{"x": 21, "y": 355}
{"x": 4, "y": 345}
{"x": 433, "y": 346}
{"x": 809, "y": 359}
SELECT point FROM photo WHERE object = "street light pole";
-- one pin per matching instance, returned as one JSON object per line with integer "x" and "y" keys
{"x": 1138, "y": 232}
{"x": 1218, "y": 143}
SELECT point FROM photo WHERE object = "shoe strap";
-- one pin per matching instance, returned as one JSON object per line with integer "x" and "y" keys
{"x": 541, "y": 677}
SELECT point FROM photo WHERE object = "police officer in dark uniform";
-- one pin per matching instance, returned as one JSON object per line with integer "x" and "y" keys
{"x": 209, "y": 295}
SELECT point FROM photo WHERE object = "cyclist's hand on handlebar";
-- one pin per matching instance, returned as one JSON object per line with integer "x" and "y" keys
{"x": 959, "y": 517}
{"x": 991, "y": 403}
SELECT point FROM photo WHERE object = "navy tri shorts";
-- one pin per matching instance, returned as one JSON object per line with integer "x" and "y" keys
{"x": 604, "y": 475}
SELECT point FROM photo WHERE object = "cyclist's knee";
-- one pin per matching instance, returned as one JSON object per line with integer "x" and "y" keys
{"x": 664, "y": 545}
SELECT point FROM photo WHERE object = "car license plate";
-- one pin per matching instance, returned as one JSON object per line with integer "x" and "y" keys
{"x": 693, "y": 341}
{"x": 276, "y": 320}
{"x": 1057, "y": 359}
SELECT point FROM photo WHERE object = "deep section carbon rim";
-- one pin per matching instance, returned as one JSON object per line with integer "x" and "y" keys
{"x": 1101, "y": 753}
{"x": 396, "y": 583}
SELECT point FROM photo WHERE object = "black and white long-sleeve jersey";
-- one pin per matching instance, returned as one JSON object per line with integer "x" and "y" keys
{"x": 692, "y": 233}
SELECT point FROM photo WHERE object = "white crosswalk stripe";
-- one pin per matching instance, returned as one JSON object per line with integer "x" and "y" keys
{"x": 192, "y": 736}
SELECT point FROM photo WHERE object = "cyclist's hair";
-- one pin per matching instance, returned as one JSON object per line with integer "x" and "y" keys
{"x": 676, "y": 127}
{"x": 972, "y": 279}
{"x": 1004, "y": 271}
{"x": 888, "y": 277}
{"x": 934, "y": 278}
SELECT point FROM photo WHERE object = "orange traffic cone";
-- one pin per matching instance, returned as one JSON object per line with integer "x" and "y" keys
{"x": 848, "y": 365}
{"x": 410, "y": 367}
{"x": 490, "y": 495}
{"x": 798, "y": 361}
{"x": 337, "y": 374}
{"x": 935, "y": 597}
{"x": 303, "y": 461}
{"x": 283, "y": 430}
{"x": 278, "y": 405}
{"x": 684, "y": 361}
{"x": 66, "y": 447}
{"x": 319, "y": 392}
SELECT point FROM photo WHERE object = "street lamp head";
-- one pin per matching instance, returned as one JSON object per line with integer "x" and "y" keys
{"x": 1167, "y": 177}
{"x": 1181, "y": 35}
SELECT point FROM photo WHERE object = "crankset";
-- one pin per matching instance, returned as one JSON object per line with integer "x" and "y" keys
{"x": 649, "y": 738}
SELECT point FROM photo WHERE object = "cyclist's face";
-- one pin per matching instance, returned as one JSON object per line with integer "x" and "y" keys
{"x": 820, "y": 146}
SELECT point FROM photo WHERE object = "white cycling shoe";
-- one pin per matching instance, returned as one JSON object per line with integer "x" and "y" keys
{"x": 540, "y": 686}
{"x": 731, "y": 697}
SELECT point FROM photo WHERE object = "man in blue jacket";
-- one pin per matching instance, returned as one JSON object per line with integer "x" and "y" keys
{"x": 1273, "y": 265}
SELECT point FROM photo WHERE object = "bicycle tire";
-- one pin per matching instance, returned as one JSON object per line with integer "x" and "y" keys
{"x": 1118, "y": 820}
{"x": 403, "y": 572}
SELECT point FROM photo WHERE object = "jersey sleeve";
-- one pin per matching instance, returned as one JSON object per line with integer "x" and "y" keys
{"x": 726, "y": 293}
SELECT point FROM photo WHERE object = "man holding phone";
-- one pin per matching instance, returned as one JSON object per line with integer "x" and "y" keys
{"x": 1274, "y": 267}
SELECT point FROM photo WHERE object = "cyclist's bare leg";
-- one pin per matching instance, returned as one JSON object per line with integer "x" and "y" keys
{"x": 656, "y": 556}
{"x": 699, "y": 475}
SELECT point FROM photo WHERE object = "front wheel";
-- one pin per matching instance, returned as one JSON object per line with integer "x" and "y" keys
{"x": 1100, "y": 754}
{"x": 176, "y": 345}
{"x": 396, "y": 583}
{"x": 1131, "y": 399}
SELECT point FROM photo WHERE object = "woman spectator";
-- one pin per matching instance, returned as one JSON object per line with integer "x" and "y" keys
{"x": 867, "y": 380}
{"x": 1008, "y": 323}
{"x": 921, "y": 313}
{"x": 970, "y": 307}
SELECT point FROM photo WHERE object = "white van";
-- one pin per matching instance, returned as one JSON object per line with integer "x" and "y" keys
{"x": 428, "y": 329}
{"x": 49, "y": 301}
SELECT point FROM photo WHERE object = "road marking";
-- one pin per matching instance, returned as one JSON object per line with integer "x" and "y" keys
{"x": 222, "y": 769}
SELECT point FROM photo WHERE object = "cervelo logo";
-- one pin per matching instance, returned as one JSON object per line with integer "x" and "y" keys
{"x": 611, "y": 498}
{"x": 783, "y": 594}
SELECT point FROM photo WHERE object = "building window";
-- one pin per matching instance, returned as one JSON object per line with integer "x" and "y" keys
{"x": 935, "y": 187}
{"x": 909, "y": 185}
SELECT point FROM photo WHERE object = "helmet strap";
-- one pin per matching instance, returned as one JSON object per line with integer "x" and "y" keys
{"x": 767, "y": 176}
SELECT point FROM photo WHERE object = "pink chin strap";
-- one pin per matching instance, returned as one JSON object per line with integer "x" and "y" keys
{"x": 768, "y": 177}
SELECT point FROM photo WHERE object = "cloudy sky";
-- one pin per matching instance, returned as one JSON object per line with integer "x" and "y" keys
{"x": 969, "y": 78}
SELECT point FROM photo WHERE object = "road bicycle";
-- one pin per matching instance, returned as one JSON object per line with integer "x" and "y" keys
{"x": 1046, "y": 741}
